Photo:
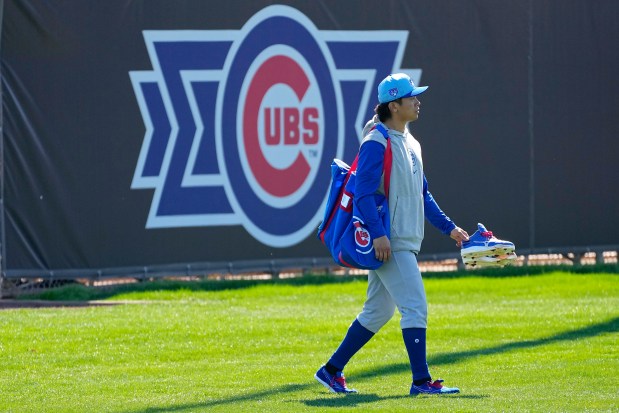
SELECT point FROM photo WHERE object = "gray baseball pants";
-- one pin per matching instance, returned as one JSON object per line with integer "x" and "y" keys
{"x": 397, "y": 283}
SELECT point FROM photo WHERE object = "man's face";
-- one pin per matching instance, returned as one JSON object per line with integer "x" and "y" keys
{"x": 409, "y": 109}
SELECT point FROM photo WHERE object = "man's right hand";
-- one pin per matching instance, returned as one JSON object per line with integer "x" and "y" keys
{"x": 382, "y": 248}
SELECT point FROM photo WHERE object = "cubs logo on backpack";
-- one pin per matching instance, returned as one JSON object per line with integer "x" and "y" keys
{"x": 343, "y": 229}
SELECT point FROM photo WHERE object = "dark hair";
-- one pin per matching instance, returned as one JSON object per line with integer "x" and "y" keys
{"x": 382, "y": 110}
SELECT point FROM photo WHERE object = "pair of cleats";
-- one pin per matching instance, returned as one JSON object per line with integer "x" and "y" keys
{"x": 483, "y": 249}
{"x": 337, "y": 384}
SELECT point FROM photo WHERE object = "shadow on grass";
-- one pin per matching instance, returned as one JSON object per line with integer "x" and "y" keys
{"x": 79, "y": 292}
{"x": 355, "y": 400}
{"x": 256, "y": 396}
{"x": 610, "y": 326}
{"x": 352, "y": 400}
{"x": 346, "y": 400}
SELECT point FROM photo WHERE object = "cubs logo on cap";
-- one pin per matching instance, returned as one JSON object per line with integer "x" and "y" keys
{"x": 396, "y": 86}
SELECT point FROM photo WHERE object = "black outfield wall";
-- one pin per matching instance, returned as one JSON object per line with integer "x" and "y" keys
{"x": 150, "y": 133}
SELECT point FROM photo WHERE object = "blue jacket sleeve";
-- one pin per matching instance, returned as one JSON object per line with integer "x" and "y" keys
{"x": 433, "y": 212}
{"x": 369, "y": 173}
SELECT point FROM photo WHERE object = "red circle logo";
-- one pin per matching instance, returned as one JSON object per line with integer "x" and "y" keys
{"x": 281, "y": 127}
{"x": 362, "y": 237}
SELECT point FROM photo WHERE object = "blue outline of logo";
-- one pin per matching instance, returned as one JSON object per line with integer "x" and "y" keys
{"x": 195, "y": 171}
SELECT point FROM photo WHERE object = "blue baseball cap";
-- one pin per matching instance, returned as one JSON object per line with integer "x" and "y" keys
{"x": 396, "y": 86}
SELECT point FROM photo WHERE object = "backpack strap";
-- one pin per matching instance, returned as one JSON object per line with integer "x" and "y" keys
{"x": 388, "y": 158}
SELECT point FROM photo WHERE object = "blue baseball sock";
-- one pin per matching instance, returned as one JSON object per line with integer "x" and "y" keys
{"x": 356, "y": 337}
{"x": 415, "y": 341}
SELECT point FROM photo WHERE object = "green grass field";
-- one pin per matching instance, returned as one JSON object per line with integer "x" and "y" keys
{"x": 545, "y": 343}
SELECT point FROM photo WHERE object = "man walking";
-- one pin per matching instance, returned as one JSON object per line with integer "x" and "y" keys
{"x": 397, "y": 283}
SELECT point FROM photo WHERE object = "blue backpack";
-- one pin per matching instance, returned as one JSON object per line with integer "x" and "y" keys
{"x": 343, "y": 229}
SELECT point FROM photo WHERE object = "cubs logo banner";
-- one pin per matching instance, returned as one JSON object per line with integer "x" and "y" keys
{"x": 242, "y": 125}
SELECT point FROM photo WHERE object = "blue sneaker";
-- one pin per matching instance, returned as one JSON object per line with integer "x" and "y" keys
{"x": 484, "y": 244}
{"x": 433, "y": 387}
{"x": 335, "y": 384}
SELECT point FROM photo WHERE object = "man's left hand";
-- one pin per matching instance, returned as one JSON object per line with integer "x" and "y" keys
{"x": 459, "y": 235}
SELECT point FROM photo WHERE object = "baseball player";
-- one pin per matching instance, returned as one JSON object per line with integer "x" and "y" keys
{"x": 397, "y": 283}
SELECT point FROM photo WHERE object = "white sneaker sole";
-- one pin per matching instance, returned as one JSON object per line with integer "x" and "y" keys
{"x": 486, "y": 262}
{"x": 475, "y": 252}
